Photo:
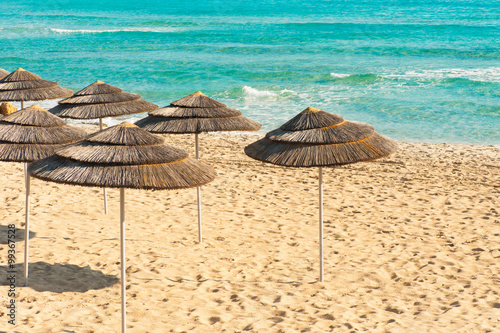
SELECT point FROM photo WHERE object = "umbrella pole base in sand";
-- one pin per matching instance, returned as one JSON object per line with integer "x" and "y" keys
{"x": 122, "y": 259}
{"x": 27, "y": 180}
{"x": 321, "y": 279}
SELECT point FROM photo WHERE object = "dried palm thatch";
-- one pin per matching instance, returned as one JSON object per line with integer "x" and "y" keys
{"x": 185, "y": 112}
{"x": 22, "y": 85}
{"x": 33, "y": 133}
{"x": 100, "y": 100}
{"x": 19, "y": 85}
{"x": 94, "y": 111}
{"x": 196, "y": 113}
{"x": 197, "y": 100}
{"x": 123, "y": 156}
{"x": 318, "y": 138}
{"x": 3, "y": 73}
{"x": 197, "y": 125}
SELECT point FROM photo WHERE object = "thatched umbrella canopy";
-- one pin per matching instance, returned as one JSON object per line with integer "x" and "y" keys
{"x": 4, "y": 109}
{"x": 197, "y": 113}
{"x": 3, "y": 73}
{"x": 28, "y": 135}
{"x": 315, "y": 138}
{"x": 21, "y": 85}
{"x": 100, "y": 100}
{"x": 123, "y": 156}
{"x": 33, "y": 133}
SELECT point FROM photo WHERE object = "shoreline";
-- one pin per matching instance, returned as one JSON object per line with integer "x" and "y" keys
{"x": 133, "y": 118}
{"x": 261, "y": 133}
{"x": 410, "y": 245}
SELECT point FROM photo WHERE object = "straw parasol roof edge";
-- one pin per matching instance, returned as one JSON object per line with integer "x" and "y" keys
{"x": 197, "y": 125}
{"x": 94, "y": 111}
{"x": 3, "y": 73}
{"x": 164, "y": 176}
{"x": 101, "y": 98}
{"x": 314, "y": 155}
{"x": 185, "y": 112}
{"x": 37, "y": 94}
{"x": 347, "y": 131}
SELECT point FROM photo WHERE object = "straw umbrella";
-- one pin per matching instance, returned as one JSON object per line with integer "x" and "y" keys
{"x": 315, "y": 138}
{"x": 197, "y": 113}
{"x": 100, "y": 100}
{"x": 123, "y": 156}
{"x": 29, "y": 135}
{"x": 21, "y": 86}
{"x": 3, "y": 73}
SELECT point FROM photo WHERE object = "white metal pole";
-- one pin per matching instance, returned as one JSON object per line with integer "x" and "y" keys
{"x": 25, "y": 173}
{"x": 320, "y": 224}
{"x": 122, "y": 259}
{"x": 197, "y": 146}
{"x": 104, "y": 191}
{"x": 198, "y": 192}
{"x": 26, "y": 223}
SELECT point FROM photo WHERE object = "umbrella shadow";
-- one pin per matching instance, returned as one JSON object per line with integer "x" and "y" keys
{"x": 17, "y": 235}
{"x": 58, "y": 278}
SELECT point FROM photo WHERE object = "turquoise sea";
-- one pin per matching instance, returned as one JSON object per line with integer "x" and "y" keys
{"x": 417, "y": 70}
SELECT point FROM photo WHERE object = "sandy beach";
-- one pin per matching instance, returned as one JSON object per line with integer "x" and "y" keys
{"x": 411, "y": 245}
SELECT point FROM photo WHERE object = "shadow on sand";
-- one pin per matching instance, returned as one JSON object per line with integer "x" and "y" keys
{"x": 19, "y": 234}
{"x": 58, "y": 278}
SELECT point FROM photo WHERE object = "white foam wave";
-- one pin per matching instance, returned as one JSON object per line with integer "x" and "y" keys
{"x": 250, "y": 92}
{"x": 339, "y": 75}
{"x": 491, "y": 74}
{"x": 288, "y": 92}
{"x": 46, "y": 104}
{"x": 112, "y": 121}
{"x": 108, "y": 121}
{"x": 98, "y": 31}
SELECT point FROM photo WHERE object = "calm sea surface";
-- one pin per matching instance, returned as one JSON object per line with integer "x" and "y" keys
{"x": 417, "y": 70}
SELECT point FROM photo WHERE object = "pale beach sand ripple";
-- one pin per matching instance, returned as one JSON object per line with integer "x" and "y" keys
{"x": 411, "y": 245}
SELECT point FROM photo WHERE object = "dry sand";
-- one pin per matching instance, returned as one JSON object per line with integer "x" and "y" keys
{"x": 411, "y": 245}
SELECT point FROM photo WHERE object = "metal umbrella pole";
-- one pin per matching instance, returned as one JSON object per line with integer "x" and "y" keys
{"x": 320, "y": 224}
{"x": 105, "y": 192}
{"x": 27, "y": 180}
{"x": 122, "y": 259}
{"x": 198, "y": 192}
